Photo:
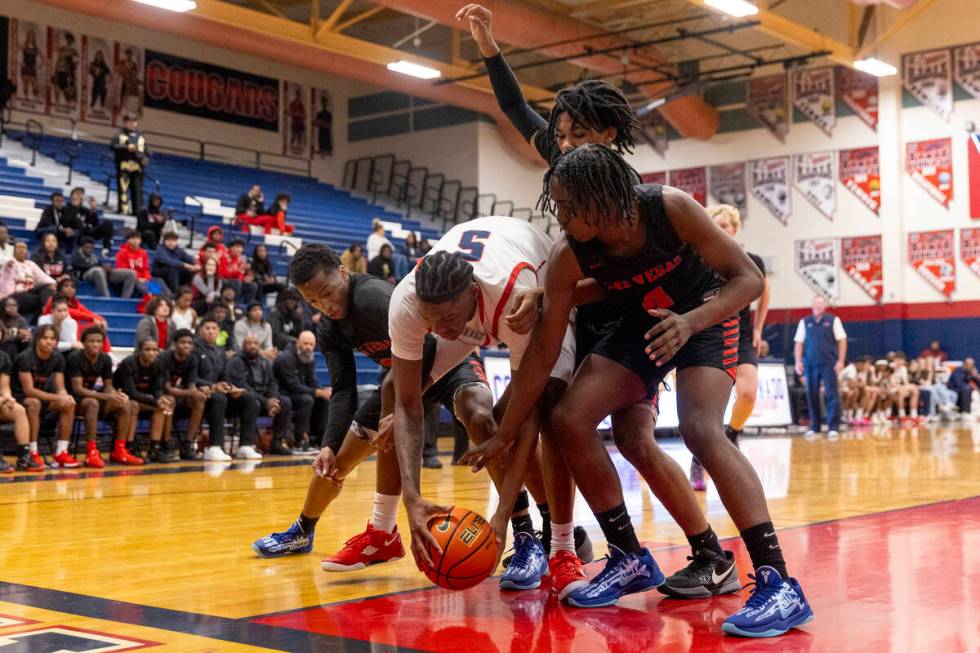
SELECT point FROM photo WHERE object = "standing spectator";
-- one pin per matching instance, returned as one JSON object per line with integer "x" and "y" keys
{"x": 172, "y": 264}
{"x": 150, "y": 221}
{"x": 133, "y": 257}
{"x": 376, "y": 239}
{"x": 58, "y": 220}
{"x": 184, "y": 316}
{"x": 253, "y": 323}
{"x": 131, "y": 158}
{"x": 16, "y": 332}
{"x": 180, "y": 382}
{"x": 249, "y": 369}
{"x": 140, "y": 376}
{"x": 39, "y": 385}
{"x": 383, "y": 265}
{"x": 353, "y": 259}
{"x": 820, "y": 351}
{"x": 11, "y": 412}
{"x": 86, "y": 265}
{"x": 263, "y": 273}
{"x": 216, "y": 238}
{"x": 286, "y": 318}
{"x": 934, "y": 353}
{"x": 963, "y": 381}
{"x": 207, "y": 286}
{"x": 253, "y": 199}
{"x": 89, "y": 372}
{"x": 51, "y": 259}
{"x": 78, "y": 311}
{"x": 26, "y": 282}
{"x": 6, "y": 246}
{"x": 297, "y": 379}
{"x": 89, "y": 219}
{"x": 234, "y": 270}
{"x": 157, "y": 325}
{"x": 63, "y": 322}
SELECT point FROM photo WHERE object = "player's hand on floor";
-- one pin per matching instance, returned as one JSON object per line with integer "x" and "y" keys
{"x": 420, "y": 512}
{"x": 667, "y": 336}
{"x": 479, "y": 456}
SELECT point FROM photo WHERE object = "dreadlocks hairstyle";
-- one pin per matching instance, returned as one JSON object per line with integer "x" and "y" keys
{"x": 311, "y": 259}
{"x": 597, "y": 105}
{"x": 442, "y": 277}
{"x": 597, "y": 181}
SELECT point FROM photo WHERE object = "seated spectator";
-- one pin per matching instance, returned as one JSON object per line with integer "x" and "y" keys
{"x": 131, "y": 256}
{"x": 172, "y": 264}
{"x": 225, "y": 400}
{"x": 207, "y": 286}
{"x": 184, "y": 316}
{"x": 39, "y": 385}
{"x": 229, "y": 297}
{"x": 216, "y": 237}
{"x": 353, "y": 259}
{"x": 17, "y": 334}
{"x": 63, "y": 322}
{"x": 26, "y": 282}
{"x": 764, "y": 349}
{"x": 410, "y": 248}
{"x": 179, "y": 366}
{"x": 963, "y": 381}
{"x": 209, "y": 252}
{"x": 140, "y": 377}
{"x": 86, "y": 265}
{"x": 250, "y": 370}
{"x": 263, "y": 273}
{"x": 150, "y": 221}
{"x": 274, "y": 221}
{"x": 78, "y": 311}
{"x": 297, "y": 379}
{"x": 850, "y": 392}
{"x": 905, "y": 390}
{"x": 157, "y": 325}
{"x": 253, "y": 199}
{"x": 57, "y": 220}
{"x": 11, "y": 412}
{"x": 6, "y": 246}
{"x": 287, "y": 318}
{"x": 226, "y": 329}
{"x": 89, "y": 372}
{"x": 235, "y": 271}
{"x": 934, "y": 352}
{"x": 941, "y": 401}
{"x": 253, "y": 323}
{"x": 376, "y": 239}
{"x": 424, "y": 247}
{"x": 886, "y": 392}
{"x": 89, "y": 219}
{"x": 383, "y": 265}
{"x": 51, "y": 259}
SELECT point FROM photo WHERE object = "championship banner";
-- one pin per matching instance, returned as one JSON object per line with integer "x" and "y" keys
{"x": 693, "y": 181}
{"x": 295, "y": 113}
{"x": 861, "y": 260}
{"x": 859, "y": 91}
{"x": 128, "y": 83}
{"x": 931, "y": 165}
{"x": 931, "y": 254}
{"x": 770, "y": 185}
{"x": 654, "y": 177}
{"x": 726, "y": 184}
{"x": 813, "y": 95}
{"x": 814, "y": 177}
{"x": 966, "y": 68}
{"x": 26, "y": 61}
{"x": 818, "y": 263}
{"x": 973, "y": 158}
{"x": 97, "y": 78}
{"x": 200, "y": 89}
{"x": 929, "y": 77}
{"x": 653, "y": 130}
{"x": 767, "y": 100}
{"x": 322, "y": 125}
{"x": 970, "y": 248}
{"x": 859, "y": 171}
{"x": 62, "y": 70}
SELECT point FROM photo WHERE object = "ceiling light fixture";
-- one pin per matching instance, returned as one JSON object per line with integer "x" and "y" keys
{"x": 737, "y": 8}
{"x": 414, "y": 70}
{"x": 875, "y": 67}
{"x": 179, "y": 6}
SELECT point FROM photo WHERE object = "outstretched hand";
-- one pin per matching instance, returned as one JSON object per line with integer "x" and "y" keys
{"x": 481, "y": 24}
{"x": 479, "y": 456}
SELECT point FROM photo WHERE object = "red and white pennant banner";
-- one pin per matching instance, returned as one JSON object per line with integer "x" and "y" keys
{"x": 861, "y": 259}
{"x": 931, "y": 254}
{"x": 859, "y": 170}
{"x": 930, "y": 163}
{"x": 693, "y": 181}
{"x": 970, "y": 248}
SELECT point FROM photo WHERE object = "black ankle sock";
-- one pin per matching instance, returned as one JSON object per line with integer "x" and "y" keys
{"x": 733, "y": 434}
{"x": 706, "y": 540}
{"x": 522, "y": 503}
{"x": 307, "y": 524}
{"x": 763, "y": 547}
{"x": 618, "y": 528}
{"x": 545, "y": 526}
{"x": 522, "y": 524}
{"x": 23, "y": 450}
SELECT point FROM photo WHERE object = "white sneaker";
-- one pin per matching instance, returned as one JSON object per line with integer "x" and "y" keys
{"x": 832, "y": 435}
{"x": 216, "y": 454}
{"x": 248, "y": 452}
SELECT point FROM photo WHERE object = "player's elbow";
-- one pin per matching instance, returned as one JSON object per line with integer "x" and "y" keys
{"x": 754, "y": 282}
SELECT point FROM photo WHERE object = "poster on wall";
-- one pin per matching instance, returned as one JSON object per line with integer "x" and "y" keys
{"x": 928, "y": 76}
{"x": 861, "y": 260}
{"x": 97, "y": 77}
{"x": 654, "y": 177}
{"x": 817, "y": 261}
{"x": 859, "y": 171}
{"x": 767, "y": 100}
{"x": 653, "y": 129}
{"x": 128, "y": 83}
{"x": 322, "y": 123}
{"x": 859, "y": 91}
{"x": 813, "y": 95}
{"x": 726, "y": 184}
{"x": 931, "y": 254}
{"x": 930, "y": 163}
{"x": 966, "y": 68}
{"x": 973, "y": 163}
{"x": 63, "y": 73}
{"x": 27, "y": 65}
{"x": 770, "y": 185}
{"x": 814, "y": 177}
{"x": 693, "y": 181}
{"x": 970, "y": 248}
{"x": 295, "y": 117}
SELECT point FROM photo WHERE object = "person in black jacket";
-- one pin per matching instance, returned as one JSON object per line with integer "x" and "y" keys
{"x": 140, "y": 376}
{"x": 151, "y": 220}
{"x": 252, "y": 199}
{"x": 294, "y": 371}
{"x": 90, "y": 222}
{"x": 264, "y": 273}
{"x": 130, "y": 151}
{"x": 172, "y": 264}
{"x": 57, "y": 219}
{"x": 251, "y": 370}
{"x": 286, "y": 319}
{"x": 180, "y": 382}
{"x": 383, "y": 265}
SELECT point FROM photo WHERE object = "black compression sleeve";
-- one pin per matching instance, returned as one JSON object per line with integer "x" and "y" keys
{"x": 510, "y": 98}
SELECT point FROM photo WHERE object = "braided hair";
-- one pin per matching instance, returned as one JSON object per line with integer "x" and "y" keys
{"x": 597, "y": 105}
{"x": 442, "y": 276}
{"x": 311, "y": 259}
{"x": 598, "y": 183}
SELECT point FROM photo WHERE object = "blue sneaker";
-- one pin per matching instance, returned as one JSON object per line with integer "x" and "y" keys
{"x": 624, "y": 574}
{"x": 776, "y": 605}
{"x": 279, "y": 544}
{"x": 527, "y": 566}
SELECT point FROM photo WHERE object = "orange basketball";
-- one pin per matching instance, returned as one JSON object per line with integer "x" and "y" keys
{"x": 469, "y": 549}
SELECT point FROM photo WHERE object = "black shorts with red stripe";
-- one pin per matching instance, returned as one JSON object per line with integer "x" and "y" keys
{"x": 746, "y": 351}
{"x": 716, "y": 346}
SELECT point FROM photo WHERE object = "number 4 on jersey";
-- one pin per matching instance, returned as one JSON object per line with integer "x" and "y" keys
{"x": 470, "y": 245}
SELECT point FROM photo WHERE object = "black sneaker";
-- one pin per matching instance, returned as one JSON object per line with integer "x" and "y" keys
{"x": 279, "y": 448}
{"x": 432, "y": 463}
{"x": 189, "y": 451}
{"x": 134, "y": 451}
{"x": 28, "y": 463}
{"x": 163, "y": 454}
{"x": 5, "y": 467}
{"x": 708, "y": 574}
{"x": 732, "y": 435}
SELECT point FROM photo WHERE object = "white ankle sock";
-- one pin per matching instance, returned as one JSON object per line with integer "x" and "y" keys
{"x": 33, "y": 446}
{"x": 562, "y": 537}
{"x": 61, "y": 447}
{"x": 385, "y": 513}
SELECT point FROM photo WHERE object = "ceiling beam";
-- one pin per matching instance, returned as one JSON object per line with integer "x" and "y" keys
{"x": 332, "y": 19}
{"x": 596, "y": 7}
{"x": 268, "y": 6}
{"x": 360, "y": 18}
{"x": 904, "y": 18}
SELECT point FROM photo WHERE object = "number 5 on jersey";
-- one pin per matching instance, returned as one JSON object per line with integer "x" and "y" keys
{"x": 471, "y": 245}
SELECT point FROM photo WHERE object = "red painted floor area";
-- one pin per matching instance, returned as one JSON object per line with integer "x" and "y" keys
{"x": 907, "y": 580}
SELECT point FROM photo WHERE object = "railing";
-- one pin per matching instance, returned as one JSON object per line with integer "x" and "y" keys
{"x": 194, "y": 201}
{"x": 34, "y": 131}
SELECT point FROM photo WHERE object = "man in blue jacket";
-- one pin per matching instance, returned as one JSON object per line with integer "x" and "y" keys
{"x": 820, "y": 351}
{"x": 963, "y": 381}
{"x": 172, "y": 264}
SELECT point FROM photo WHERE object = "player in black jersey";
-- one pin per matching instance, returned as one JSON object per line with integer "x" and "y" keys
{"x": 11, "y": 412}
{"x": 180, "y": 381}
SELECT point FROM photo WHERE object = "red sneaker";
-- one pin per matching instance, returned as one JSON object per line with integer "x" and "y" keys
{"x": 566, "y": 573}
{"x": 371, "y": 547}
{"x": 37, "y": 462}
{"x": 65, "y": 460}
{"x": 122, "y": 456}
{"x": 93, "y": 458}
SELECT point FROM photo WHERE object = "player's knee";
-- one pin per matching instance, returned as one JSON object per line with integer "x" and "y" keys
{"x": 478, "y": 421}
{"x": 89, "y": 406}
{"x": 566, "y": 422}
{"x": 33, "y": 406}
{"x": 701, "y": 432}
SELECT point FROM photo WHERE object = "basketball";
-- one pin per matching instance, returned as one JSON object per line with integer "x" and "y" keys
{"x": 469, "y": 549}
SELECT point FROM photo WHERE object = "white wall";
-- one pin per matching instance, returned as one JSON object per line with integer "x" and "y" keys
{"x": 505, "y": 173}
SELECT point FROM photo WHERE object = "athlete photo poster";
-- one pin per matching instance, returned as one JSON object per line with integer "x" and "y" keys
{"x": 861, "y": 260}
{"x": 27, "y": 65}
{"x": 63, "y": 61}
{"x": 127, "y": 81}
{"x": 931, "y": 254}
{"x": 97, "y": 78}
{"x": 322, "y": 122}
{"x": 295, "y": 120}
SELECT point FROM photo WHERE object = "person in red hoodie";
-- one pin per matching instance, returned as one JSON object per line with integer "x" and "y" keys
{"x": 79, "y": 312}
{"x": 274, "y": 220}
{"x": 133, "y": 257}
{"x": 235, "y": 270}
{"x": 216, "y": 236}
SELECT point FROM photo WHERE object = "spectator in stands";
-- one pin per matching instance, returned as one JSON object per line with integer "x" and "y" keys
{"x": 764, "y": 349}
{"x": 39, "y": 385}
{"x": 86, "y": 265}
{"x": 207, "y": 286}
{"x": 26, "y": 282}
{"x": 63, "y": 322}
{"x": 140, "y": 376}
{"x": 376, "y": 239}
{"x": 58, "y": 220}
{"x": 424, "y": 247}
{"x": 180, "y": 382}
{"x": 263, "y": 273}
{"x": 963, "y": 381}
{"x": 12, "y": 412}
{"x": 286, "y": 318}
{"x": 253, "y": 199}
{"x": 225, "y": 399}
{"x": 353, "y": 259}
{"x": 820, "y": 350}
{"x": 253, "y": 323}
{"x": 89, "y": 372}
{"x": 51, "y": 259}
{"x": 6, "y": 246}
{"x": 230, "y": 300}
{"x": 208, "y": 251}
{"x": 216, "y": 237}
{"x": 184, "y": 315}
{"x": 16, "y": 332}
{"x": 89, "y": 219}
{"x": 410, "y": 248}
{"x": 905, "y": 390}
{"x": 272, "y": 221}
{"x": 226, "y": 328}
{"x": 383, "y": 265}
{"x": 131, "y": 158}
{"x": 150, "y": 221}
{"x": 941, "y": 401}
{"x": 133, "y": 257}
{"x": 156, "y": 324}
{"x": 297, "y": 379}
{"x": 887, "y": 392}
{"x": 249, "y": 369}
{"x": 172, "y": 264}
{"x": 234, "y": 270}
{"x": 935, "y": 353}
{"x": 85, "y": 318}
